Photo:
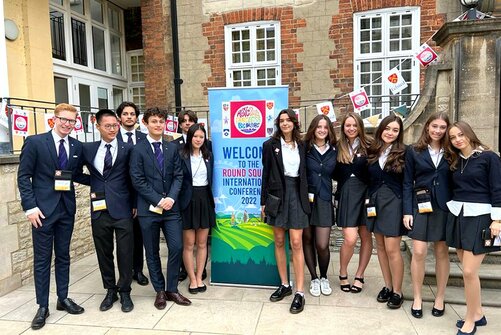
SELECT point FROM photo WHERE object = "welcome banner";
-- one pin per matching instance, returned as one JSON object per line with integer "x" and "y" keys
{"x": 242, "y": 246}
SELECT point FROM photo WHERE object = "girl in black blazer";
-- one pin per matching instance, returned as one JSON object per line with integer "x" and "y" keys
{"x": 196, "y": 203}
{"x": 352, "y": 178}
{"x": 384, "y": 206}
{"x": 426, "y": 192}
{"x": 475, "y": 207}
{"x": 284, "y": 200}
{"x": 320, "y": 144}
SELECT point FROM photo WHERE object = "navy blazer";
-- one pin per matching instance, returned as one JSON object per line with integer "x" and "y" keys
{"x": 116, "y": 185}
{"x": 37, "y": 165}
{"x": 187, "y": 194}
{"x": 320, "y": 171}
{"x": 180, "y": 142}
{"x": 273, "y": 179}
{"x": 420, "y": 172}
{"x": 378, "y": 177}
{"x": 343, "y": 172}
{"x": 151, "y": 185}
{"x": 139, "y": 136}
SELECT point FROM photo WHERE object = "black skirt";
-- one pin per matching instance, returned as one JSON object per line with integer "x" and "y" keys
{"x": 292, "y": 215}
{"x": 429, "y": 227}
{"x": 322, "y": 213}
{"x": 465, "y": 232}
{"x": 199, "y": 214}
{"x": 389, "y": 219}
{"x": 350, "y": 207}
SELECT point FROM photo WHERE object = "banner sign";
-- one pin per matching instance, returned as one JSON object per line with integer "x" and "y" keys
{"x": 170, "y": 125}
{"x": 242, "y": 249}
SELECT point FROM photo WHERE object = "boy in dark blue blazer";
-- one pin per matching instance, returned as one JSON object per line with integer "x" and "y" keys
{"x": 111, "y": 199}
{"x": 49, "y": 163}
{"x": 157, "y": 176}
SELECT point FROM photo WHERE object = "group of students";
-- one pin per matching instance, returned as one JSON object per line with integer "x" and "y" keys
{"x": 445, "y": 189}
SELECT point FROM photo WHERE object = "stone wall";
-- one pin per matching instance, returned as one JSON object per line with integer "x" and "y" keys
{"x": 16, "y": 248}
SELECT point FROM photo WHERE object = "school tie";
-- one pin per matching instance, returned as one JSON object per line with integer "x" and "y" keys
{"x": 62, "y": 159}
{"x": 129, "y": 140}
{"x": 159, "y": 155}
{"x": 108, "y": 160}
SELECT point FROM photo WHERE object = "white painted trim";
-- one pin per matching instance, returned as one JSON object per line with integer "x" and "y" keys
{"x": 4, "y": 78}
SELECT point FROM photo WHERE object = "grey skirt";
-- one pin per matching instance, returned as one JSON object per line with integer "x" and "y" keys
{"x": 292, "y": 215}
{"x": 350, "y": 207}
{"x": 322, "y": 213}
{"x": 389, "y": 218}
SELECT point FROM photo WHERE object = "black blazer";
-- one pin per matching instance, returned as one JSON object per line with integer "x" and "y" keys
{"x": 320, "y": 171}
{"x": 151, "y": 185}
{"x": 37, "y": 166}
{"x": 116, "y": 185}
{"x": 187, "y": 193}
{"x": 420, "y": 172}
{"x": 180, "y": 142}
{"x": 378, "y": 177}
{"x": 139, "y": 136}
{"x": 273, "y": 180}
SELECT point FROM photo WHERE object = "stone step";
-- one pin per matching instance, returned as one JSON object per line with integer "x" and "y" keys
{"x": 490, "y": 258}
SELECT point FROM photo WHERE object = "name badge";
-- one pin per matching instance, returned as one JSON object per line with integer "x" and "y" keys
{"x": 371, "y": 209}
{"x": 155, "y": 209}
{"x": 311, "y": 197}
{"x": 98, "y": 201}
{"x": 423, "y": 198}
{"x": 62, "y": 180}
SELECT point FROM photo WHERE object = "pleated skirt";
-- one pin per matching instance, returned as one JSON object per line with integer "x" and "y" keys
{"x": 199, "y": 214}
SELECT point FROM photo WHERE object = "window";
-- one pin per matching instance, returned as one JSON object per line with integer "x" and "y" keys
{"x": 385, "y": 39}
{"x": 253, "y": 54}
{"x": 77, "y": 6}
{"x": 98, "y": 49}
{"x": 79, "y": 42}
{"x": 57, "y": 34}
{"x": 96, "y": 11}
{"x": 136, "y": 77}
{"x": 61, "y": 90}
{"x": 118, "y": 96}
{"x": 102, "y": 98}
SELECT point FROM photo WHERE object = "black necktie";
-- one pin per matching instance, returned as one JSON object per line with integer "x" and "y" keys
{"x": 108, "y": 160}
{"x": 63, "y": 156}
{"x": 159, "y": 155}
{"x": 129, "y": 140}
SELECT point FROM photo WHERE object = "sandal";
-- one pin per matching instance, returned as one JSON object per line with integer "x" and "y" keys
{"x": 345, "y": 287}
{"x": 356, "y": 289}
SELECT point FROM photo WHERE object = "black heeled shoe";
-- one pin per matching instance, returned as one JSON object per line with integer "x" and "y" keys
{"x": 345, "y": 287}
{"x": 437, "y": 312}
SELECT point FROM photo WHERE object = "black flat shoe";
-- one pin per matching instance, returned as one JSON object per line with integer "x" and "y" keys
{"x": 192, "y": 290}
{"x": 437, "y": 312}
{"x": 297, "y": 305}
{"x": 460, "y": 332}
{"x": 39, "y": 319}
{"x": 417, "y": 313}
{"x": 69, "y": 306}
{"x": 479, "y": 323}
{"x": 281, "y": 292}
{"x": 202, "y": 289}
{"x": 384, "y": 295}
{"x": 396, "y": 300}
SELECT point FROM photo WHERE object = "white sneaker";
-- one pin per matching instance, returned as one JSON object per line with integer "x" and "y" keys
{"x": 315, "y": 287}
{"x": 325, "y": 286}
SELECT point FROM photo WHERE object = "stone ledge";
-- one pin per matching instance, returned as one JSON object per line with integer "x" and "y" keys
{"x": 9, "y": 159}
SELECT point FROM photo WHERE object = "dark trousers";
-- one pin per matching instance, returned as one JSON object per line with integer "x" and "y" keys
{"x": 138, "y": 257}
{"x": 171, "y": 226}
{"x": 55, "y": 232}
{"x": 103, "y": 229}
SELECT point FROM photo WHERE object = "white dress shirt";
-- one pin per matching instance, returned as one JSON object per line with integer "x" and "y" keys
{"x": 436, "y": 156}
{"x": 198, "y": 171}
{"x": 125, "y": 137}
{"x": 57, "y": 140}
{"x": 384, "y": 157}
{"x": 101, "y": 153}
{"x": 290, "y": 158}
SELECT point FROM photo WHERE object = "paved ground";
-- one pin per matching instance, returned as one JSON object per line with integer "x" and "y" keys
{"x": 230, "y": 310}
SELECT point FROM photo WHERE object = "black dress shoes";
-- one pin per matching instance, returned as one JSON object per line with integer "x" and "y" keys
{"x": 69, "y": 306}
{"x": 126, "y": 301}
{"x": 384, "y": 295}
{"x": 396, "y": 300}
{"x": 437, "y": 312}
{"x": 192, "y": 290}
{"x": 109, "y": 299}
{"x": 297, "y": 305}
{"x": 140, "y": 278}
{"x": 39, "y": 319}
{"x": 281, "y": 293}
{"x": 417, "y": 313}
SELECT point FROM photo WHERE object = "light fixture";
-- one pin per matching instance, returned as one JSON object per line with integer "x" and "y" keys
{"x": 11, "y": 30}
{"x": 471, "y": 5}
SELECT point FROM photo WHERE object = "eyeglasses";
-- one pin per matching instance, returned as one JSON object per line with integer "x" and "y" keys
{"x": 65, "y": 120}
{"x": 110, "y": 126}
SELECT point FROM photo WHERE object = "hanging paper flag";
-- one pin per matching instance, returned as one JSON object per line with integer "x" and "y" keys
{"x": 170, "y": 125}
{"x": 401, "y": 110}
{"x": 360, "y": 100}
{"x": 79, "y": 129}
{"x": 226, "y": 119}
{"x": 203, "y": 122}
{"x": 270, "y": 116}
{"x": 19, "y": 122}
{"x": 91, "y": 123}
{"x": 373, "y": 119}
{"x": 4, "y": 121}
{"x": 142, "y": 126}
{"x": 395, "y": 81}
{"x": 326, "y": 109}
{"x": 48, "y": 121}
{"x": 426, "y": 55}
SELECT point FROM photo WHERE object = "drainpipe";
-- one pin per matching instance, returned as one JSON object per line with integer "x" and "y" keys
{"x": 175, "y": 55}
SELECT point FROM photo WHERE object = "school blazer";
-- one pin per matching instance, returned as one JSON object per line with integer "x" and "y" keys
{"x": 180, "y": 142}
{"x": 37, "y": 166}
{"x": 273, "y": 180}
{"x": 420, "y": 172}
{"x": 150, "y": 183}
{"x": 187, "y": 193}
{"x": 116, "y": 184}
{"x": 320, "y": 171}
{"x": 139, "y": 136}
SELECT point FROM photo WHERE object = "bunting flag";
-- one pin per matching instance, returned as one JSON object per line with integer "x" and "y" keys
{"x": 91, "y": 123}
{"x": 170, "y": 125}
{"x": 142, "y": 126}
{"x": 395, "y": 81}
{"x": 426, "y": 55}
{"x": 4, "y": 121}
{"x": 19, "y": 122}
{"x": 203, "y": 122}
{"x": 401, "y": 110}
{"x": 326, "y": 108}
{"x": 360, "y": 100}
{"x": 48, "y": 121}
{"x": 78, "y": 129}
{"x": 298, "y": 116}
{"x": 373, "y": 119}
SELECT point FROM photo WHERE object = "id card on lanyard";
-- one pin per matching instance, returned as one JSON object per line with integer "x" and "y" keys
{"x": 98, "y": 201}
{"x": 62, "y": 180}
